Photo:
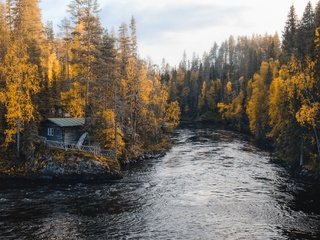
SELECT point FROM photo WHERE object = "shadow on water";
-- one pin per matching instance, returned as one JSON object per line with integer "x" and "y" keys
{"x": 212, "y": 184}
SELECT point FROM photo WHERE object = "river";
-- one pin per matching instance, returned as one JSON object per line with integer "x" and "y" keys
{"x": 212, "y": 184}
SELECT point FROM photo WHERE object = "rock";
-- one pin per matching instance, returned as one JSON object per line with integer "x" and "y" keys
{"x": 58, "y": 167}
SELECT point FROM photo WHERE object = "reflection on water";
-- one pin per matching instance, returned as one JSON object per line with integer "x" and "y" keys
{"x": 213, "y": 184}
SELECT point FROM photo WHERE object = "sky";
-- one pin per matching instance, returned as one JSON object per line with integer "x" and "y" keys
{"x": 168, "y": 27}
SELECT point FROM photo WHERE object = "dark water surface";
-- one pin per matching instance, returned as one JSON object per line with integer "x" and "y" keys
{"x": 213, "y": 184}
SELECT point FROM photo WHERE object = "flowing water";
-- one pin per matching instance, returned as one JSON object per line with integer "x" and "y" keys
{"x": 213, "y": 184}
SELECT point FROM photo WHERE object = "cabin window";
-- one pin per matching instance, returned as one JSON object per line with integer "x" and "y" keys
{"x": 50, "y": 131}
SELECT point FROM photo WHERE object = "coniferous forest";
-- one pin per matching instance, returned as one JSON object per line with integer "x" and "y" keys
{"x": 266, "y": 85}
{"x": 97, "y": 142}
{"x": 83, "y": 71}
{"x": 263, "y": 85}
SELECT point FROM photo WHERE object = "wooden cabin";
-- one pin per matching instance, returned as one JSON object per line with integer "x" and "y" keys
{"x": 63, "y": 130}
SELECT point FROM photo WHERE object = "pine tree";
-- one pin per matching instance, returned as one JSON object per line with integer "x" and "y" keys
{"x": 134, "y": 67}
{"x": 289, "y": 35}
{"x": 106, "y": 88}
{"x": 124, "y": 49}
{"x": 85, "y": 16}
{"x": 317, "y": 15}
{"x": 66, "y": 34}
{"x": 305, "y": 33}
{"x": 127, "y": 75}
{"x": 133, "y": 33}
{"x": 28, "y": 28}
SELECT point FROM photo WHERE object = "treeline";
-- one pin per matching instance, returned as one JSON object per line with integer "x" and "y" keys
{"x": 261, "y": 85}
{"x": 84, "y": 71}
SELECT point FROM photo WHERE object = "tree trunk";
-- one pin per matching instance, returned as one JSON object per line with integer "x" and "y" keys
{"x": 18, "y": 138}
{"x": 115, "y": 123}
{"x": 317, "y": 141}
{"x": 301, "y": 153}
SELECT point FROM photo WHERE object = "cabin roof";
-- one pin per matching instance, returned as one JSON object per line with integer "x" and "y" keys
{"x": 67, "y": 122}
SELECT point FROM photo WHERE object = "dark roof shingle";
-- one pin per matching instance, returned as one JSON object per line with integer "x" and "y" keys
{"x": 67, "y": 122}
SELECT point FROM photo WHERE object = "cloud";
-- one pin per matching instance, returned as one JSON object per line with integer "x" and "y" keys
{"x": 186, "y": 18}
{"x": 154, "y": 22}
{"x": 167, "y": 27}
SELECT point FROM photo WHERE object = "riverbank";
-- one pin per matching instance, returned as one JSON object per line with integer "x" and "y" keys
{"x": 58, "y": 165}
{"x": 48, "y": 164}
{"x": 308, "y": 172}
{"x": 151, "y": 151}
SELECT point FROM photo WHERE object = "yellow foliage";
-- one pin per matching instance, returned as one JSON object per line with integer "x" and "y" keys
{"x": 21, "y": 83}
{"x": 280, "y": 116}
{"x": 317, "y": 38}
{"x": 276, "y": 96}
{"x": 73, "y": 100}
{"x": 257, "y": 109}
{"x": 75, "y": 68}
{"x": 159, "y": 97}
{"x": 229, "y": 87}
{"x": 232, "y": 110}
{"x": 109, "y": 132}
{"x": 222, "y": 108}
{"x": 54, "y": 68}
{"x": 2, "y": 97}
{"x": 307, "y": 115}
{"x": 173, "y": 114}
{"x": 202, "y": 98}
{"x": 108, "y": 116}
{"x": 264, "y": 69}
{"x": 284, "y": 73}
{"x": 145, "y": 86}
{"x": 212, "y": 93}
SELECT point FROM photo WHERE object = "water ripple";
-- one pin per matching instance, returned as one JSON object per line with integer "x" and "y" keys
{"x": 213, "y": 184}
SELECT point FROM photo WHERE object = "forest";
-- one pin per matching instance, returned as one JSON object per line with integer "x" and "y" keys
{"x": 259, "y": 85}
{"x": 223, "y": 145}
{"x": 83, "y": 71}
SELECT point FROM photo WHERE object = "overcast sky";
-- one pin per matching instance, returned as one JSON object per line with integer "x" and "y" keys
{"x": 167, "y": 27}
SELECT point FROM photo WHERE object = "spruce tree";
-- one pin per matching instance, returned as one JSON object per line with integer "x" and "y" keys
{"x": 133, "y": 33}
{"x": 29, "y": 28}
{"x": 66, "y": 35}
{"x": 105, "y": 88}
{"x": 289, "y": 35}
{"x": 305, "y": 33}
{"x": 317, "y": 15}
{"x": 85, "y": 16}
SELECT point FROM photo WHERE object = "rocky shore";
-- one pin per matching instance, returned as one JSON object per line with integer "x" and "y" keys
{"x": 66, "y": 166}
{"x": 58, "y": 165}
